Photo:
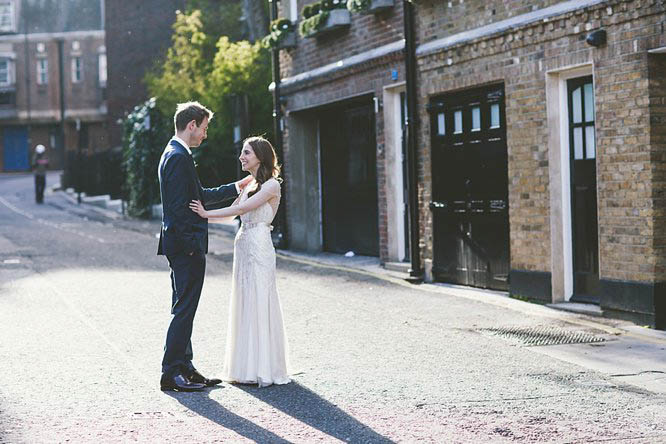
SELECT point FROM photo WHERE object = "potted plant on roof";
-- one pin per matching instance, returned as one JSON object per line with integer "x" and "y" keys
{"x": 323, "y": 17}
{"x": 282, "y": 34}
{"x": 369, "y": 6}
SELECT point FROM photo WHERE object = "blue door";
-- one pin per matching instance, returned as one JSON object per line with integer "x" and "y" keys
{"x": 15, "y": 147}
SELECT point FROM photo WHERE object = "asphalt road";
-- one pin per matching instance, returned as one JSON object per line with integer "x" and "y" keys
{"x": 84, "y": 306}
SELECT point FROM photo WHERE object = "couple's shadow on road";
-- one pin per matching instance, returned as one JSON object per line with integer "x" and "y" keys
{"x": 293, "y": 399}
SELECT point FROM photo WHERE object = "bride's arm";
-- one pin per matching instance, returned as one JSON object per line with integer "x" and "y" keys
{"x": 228, "y": 219}
{"x": 269, "y": 190}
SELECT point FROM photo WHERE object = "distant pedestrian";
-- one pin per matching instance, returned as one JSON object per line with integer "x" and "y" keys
{"x": 40, "y": 163}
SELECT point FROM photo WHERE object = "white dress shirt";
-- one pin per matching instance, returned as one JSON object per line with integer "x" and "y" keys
{"x": 182, "y": 142}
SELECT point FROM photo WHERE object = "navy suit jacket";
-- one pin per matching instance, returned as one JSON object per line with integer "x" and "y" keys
{"x": 183, "y": 231}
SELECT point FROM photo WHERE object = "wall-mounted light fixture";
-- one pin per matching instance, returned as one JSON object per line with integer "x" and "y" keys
{"x": 596, "y": 38}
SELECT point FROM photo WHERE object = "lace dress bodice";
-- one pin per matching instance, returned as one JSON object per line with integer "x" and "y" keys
{"x": 263, "y": 214}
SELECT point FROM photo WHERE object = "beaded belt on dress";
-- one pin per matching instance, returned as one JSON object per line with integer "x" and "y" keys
{"x": 247, "y": 225}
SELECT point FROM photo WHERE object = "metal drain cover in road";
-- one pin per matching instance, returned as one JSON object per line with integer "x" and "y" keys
{"x": 542, "y": 335}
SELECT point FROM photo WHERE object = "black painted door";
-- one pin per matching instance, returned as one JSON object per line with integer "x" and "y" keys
{"x": 349, "y": 180}
{"x": 583, "y": 190}
{"x": 470, "y": 188}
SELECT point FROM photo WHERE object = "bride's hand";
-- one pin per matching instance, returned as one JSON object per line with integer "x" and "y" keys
{"x": 198, "y": 208}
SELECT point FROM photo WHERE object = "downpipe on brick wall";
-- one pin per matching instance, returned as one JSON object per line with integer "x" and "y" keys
{"x": 416, "y": 269}
{"x": 277, "y": 130}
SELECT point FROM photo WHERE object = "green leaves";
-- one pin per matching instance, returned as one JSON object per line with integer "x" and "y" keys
{"x": 204, "y": 65}
{"x": 145, "y": 133}
{"x": 358, "y": 5}
{"x": 279, "y": 29}
{"x": 183, "y": 76}
{"x": 311, "y": 25}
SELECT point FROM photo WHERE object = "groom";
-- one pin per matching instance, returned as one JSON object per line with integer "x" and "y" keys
{"x": 184, "y": 241}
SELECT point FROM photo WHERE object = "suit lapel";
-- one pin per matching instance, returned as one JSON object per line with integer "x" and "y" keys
{"x": 178, "y": 146}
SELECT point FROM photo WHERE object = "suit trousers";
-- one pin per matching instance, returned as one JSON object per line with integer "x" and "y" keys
{"x": 187, "y": 277}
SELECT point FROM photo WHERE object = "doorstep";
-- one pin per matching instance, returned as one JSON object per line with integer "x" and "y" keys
{"x": 364, "y": 264}
{"x": 402, "y": 267}
{"x": 578, "y": 307}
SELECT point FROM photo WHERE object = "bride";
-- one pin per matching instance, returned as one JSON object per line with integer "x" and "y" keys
{"x": 256, "y": 351}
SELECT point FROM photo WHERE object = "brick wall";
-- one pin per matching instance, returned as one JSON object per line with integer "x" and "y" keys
{"x": 137, "y": 34}
{"x": 86, "y": 93}
{"x": 367, "y": 31}
{"x": 46, "y": 98}
{"x": 520, "y": 58}
{"x": 657, "y": 110}
{"x": 624, "y": 177}
{"x": 370, "y": 78}
{"x": 445, "y": 18}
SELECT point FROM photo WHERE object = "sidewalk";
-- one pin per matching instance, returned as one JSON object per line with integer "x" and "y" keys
{"x": 630, "y": 353}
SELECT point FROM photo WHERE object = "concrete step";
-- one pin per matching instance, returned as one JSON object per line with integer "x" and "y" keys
{"x": 401, "y": 267}
{"x": 115, "y": 205}
{"x": 98, "y": 201}
{"x": 577, "y": 307}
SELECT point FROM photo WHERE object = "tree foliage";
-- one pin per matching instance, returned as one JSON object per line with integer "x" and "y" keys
{"x": 145, "y": 133}
{"x": 213, "y": 69}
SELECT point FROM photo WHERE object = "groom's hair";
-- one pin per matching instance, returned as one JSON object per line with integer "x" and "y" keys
{"x": 189, "y": 111}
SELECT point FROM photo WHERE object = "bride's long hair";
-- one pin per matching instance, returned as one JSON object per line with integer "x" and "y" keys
{"x": 268, "y": 164}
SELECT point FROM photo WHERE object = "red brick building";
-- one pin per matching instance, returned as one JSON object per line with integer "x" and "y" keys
{"x": 540, "y": 146}
{"x": 137, "y": 36}
{"x": 340, "y": 89}
{"x": 52, "y": 76}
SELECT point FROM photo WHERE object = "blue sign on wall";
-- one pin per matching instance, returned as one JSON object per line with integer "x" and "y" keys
{"x": 15, "y": 147}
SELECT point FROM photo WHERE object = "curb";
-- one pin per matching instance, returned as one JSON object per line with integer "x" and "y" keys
{"x": 501, "y": 299}
{"x": 106, "y": 213}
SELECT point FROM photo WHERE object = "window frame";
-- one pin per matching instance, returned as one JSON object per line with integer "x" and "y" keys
{"x": 77, "y": 69}
{"x": 572, "y": 85}
{"x": 102, "y": 73}
{"x": 11, "y": 27}
{"x": 42, "y": 71}
{"x": 293, "y": 11}
{"x": 10, "y": 78}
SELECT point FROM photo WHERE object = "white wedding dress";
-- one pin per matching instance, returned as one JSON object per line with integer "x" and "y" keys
{"x": 256, "y": 351}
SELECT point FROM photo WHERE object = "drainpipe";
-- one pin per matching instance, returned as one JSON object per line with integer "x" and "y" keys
{"x": 416, "y": 270}
{"x": 277, "y": 129}
{"x": 61, "y": 132}
{"x": 28, "y": 104}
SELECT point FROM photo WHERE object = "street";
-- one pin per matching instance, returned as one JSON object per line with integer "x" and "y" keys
{"x": 84, "y": 307}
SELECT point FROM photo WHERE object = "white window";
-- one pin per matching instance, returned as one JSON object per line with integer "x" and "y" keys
{"x": 293, "y": 11}
{"x": 102, "y": 70}
{"x": 494, "y": 116}
{"x": 457, "y": 122}
{"x": 441, "y": 124}
{"x": 7, "y": 16}
{"x": 77, "y": 69}
{"x": 5, "y": 72}
{"x": 42, "y": 71}
{"x": 476, "y": 118}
